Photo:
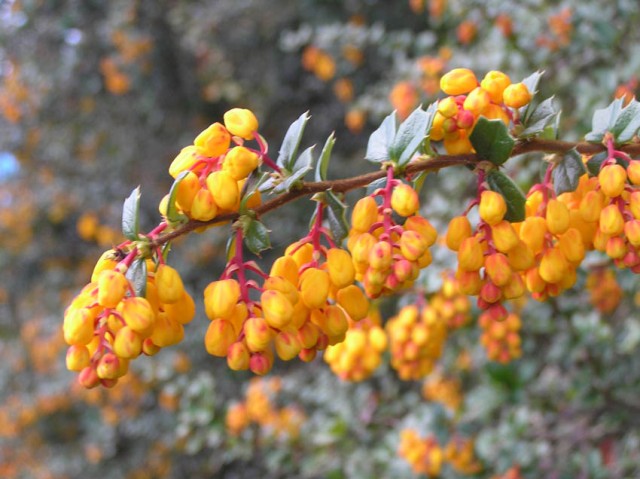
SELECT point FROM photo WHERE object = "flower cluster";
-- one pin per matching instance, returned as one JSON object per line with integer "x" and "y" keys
{"x": 258, "y": 408}
{"x": 450, "y": 304}
{"x": 107, "y": 325}
{"x": 305, "y": 304}
{"x": 211, "y": 173}
{"x": 416, "y": 339}
{"x": 424, "y": 455}
{"x": 446, "y": 391}
{"x": 495, "y": 97}
{"x": 605, "y": 293}
{"x": 388, "y": 256}
{"x": 501, "y": 338}
{"x": 360, "y": 354}
{"x": 459, "y": 453}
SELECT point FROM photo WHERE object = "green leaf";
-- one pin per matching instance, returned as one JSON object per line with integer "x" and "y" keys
{"x": 173, "y": 215}
{"x": 512, "y": 194}
{"x": 411, "y": 134}
{"x": 566, "y": 174}
{"x": 322, "y": 166}
{"x": 131, "y": 215}
{"x": 256, "y": 237}
{"x": 255, "y": 180}
{"x": 531, "y": 82}
{"x": 627, "y": 123}
{"x": 291, "y": 142}
{"x": 137, "y": 276}
{"x": 492, "y": 141}
{"x": 376, "y": 185}
{"x": 540, "y": 118}
{"x": 380, "y": 140}
{"x": 336, "y": 216}
{"x": 302, "y": 166}
{"x": 418, "y": 181}
{"x": 505, "y": 374}
{"x": 603, "y": 120}
{"x": 595, "y": 162}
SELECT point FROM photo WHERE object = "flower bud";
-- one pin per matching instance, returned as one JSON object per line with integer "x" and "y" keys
{"x": 78, "y": 326}
{"x": 238, "y": 357}
{"x": 515, "y": 287}
{"x": 105, "y": 262}
{"x": 469, "y": 282}
{"x": 404, "y": 200}
{"x": 458, "y": 144}
{"x": 112, "y": 286}
{"x": 557, "y": 217}
{"x": 380, "y": 256}
{"x": 553, "y": 265}
{"x": 412, "y": 245}
{"x": 572, "y": 246}
{"x": 490, "y": 293}
{"x": 504, "y": 236}
{"x": 220, "y": 298}
{"x": 470, "y": 255}
{"x": 166, "y": 332}
{"x": 495, "y": 82}
{"x": 362, "y": 248}
{"x": 497, "y": 267}
{"x": 336, "y": 321}
{"x": 285, "y": 267}
{"x": 591, "y": 205}
{"x": 187, "y": 190}
{"x": 634, "y": 204}
{"x": 308, "y": 335}
{"x": 340, "y": 265}
{"x": 314, "y": 287}
{"x": 516, "y": 95}
{"x": 633, "y": 172}
{"x": 611, "y": 220}
{"x": 224, "y": 189}
{"x": 257, "y": 333}
{"x": 458, "y": 81}
{"x": 477, "y": 101}
{"x": 183, "y": 311}
{"x": 88, "y": 378}
{"x": 533, "y": 231}
{"x": 220, "y": 335}
{"x": 240, "y": 162}
{"x": 169, "y": 284}
{"x": 612, "y": 179}
{"x": 364, "y": 214}
{"x": 138, "y": 315}
{"x": 279, "y": 283}
{"x": 632, "y": 232}
{"x": 459, "y": 229}
{"x": 77, "y": 357}
{"x": 354, "y": 302}
{"x": 187, "y": 157}
{"x": 260, "y": 364}
{"x": 276, "y": 308}
{"x": 421, "y": 225}
{"x": 448, "y": 107}
{"x": 213, "y": 141}
{"x": 287, "y": 345}
{"x": 127, "y": 343}
{"x": 204, "y": 207}
{"x": 241, "y": 122}
{"x": 108, "y": 366}
{"x": 492, "y": 207}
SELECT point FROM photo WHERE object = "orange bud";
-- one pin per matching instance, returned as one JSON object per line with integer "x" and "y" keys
{"x": 183, "y": 311}
{"x": 314, "y": 287}
{"x": 557, "y": 217}
{"x": 241, "y": 122}
{"x": 257, "y": 333}
{"x": 364, "y": 214}
{"x": 362, "y": 248}
{"x": 572, "y": 246}
{"x": 616, "y": 247}
{"x": 127, "y": 343}
{"x": 633, "y": 172}
{"x": 354, "y": 302}
{"x": 412, "y": 245}
{"x": 287, "y": 345}
{"x": 169, "y": 284}
{"x": 477, "y": 101}
{"x": 260, "y": 363}
{"x": 514, "y": 288}
{"x": 470, "y": 255}
{"x": 497, "y": 267}
{"x": 380, "y": 256}
{"x": 336, "y": 322}
{"x": 495, "y": 82}
{"x": 459, "y": 229}
{"x": 612, "y": 179}
{"x": 469, "y": 282}
{"x": 220, "y": 298}
{"x": 634, "y": 204}
{"x": 204, "y": 207}
{"x": 533, "y": 231}
{"x": 553, "y": 265}
{"x": 458, "y": 81}
{"x": 340, "y": 265}
{"x": 112, "y": 286}
{"x": 448, "y": 107}
{"x": 276, "y": 308}
{"x": 187, "y": 157}
{"x": 138, "y": 315}
{"x": 240, "y": 162}
{"x": 504, "y": 236}
{"x": 632, "y": 232}
{"x": 285, "y": 267}
{"x": 492, "y": 207}
{"x": 220, "y": 335}
{"x": 108, "y": 366}
{"x": 591, "y": 205}
{"x": 308, "y": 335}
{"x": 224, "y": 189}
{"x": 166, "y": 331}
{"x": 238, "y": 357}
{"x": 77, "y": 357}
{"x": 421, "y": 225}
{"x": 611, "y": 220}
{"x": 105, "y": 262}
{"x": 516, "y": 95}
{"x": 78, "y": 326}
{"x": 404, "y": 200}
{"x": 213, "y": 141}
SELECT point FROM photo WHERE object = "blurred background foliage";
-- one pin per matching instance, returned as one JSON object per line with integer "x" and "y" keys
{"x": 97, "y": 97}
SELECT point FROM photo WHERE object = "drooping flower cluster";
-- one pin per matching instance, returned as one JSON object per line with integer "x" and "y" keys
{"x": 495, "y": 97}
{"x": 444, "y": 390}
{"x": 605, "y": 293}
{"x": 360, "y": 354}
{"x": 304, "y": 305}
{"x": 453, "y": 306}
{"x": 424, "y": 455}
{"x": 388, "y": 256}
{"x": 107, "y": 325}
{"x": 501, "y": 338}
{"x": 212, "y": 171}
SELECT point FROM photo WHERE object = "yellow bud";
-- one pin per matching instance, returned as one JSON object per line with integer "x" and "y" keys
{"x": 340, "y": 266}
{"x": 557, "y": 217}
{"x": 492, "y": 207}
{"x": 108, "y": 366}
{"x": 591, "y": 205}
{"x": 504, "y": 236}
{"x": 634, "y": 204}
{"x": 498, "y": 269}
{"x": 138, "y": 315}
{"x": 404, "y": 200}
{"x": 220, "y": 298}
{"x": 532, "y": 232}
{"x": 477, "y": 101}
{"x": 362, "y": 248}
{"x": 187, "y": 157}
{"x": 459, "y": 229}
{"x": 241, "y": 122}
{"x": 219, "y": 336}
{"x": 572, "y": 246}
{"x": 77, "y": 358}
{"x": 470, "y": 255}
{"x": 276, "y": 308}
{"x": 412, "y": 245}
{"x": 632, "y": 232}
{"x": 224, "y": 189}
{"x": 301, "y": 254}
{"x": 364, "y": 214}
{"x": 514, "y": 288}
{"x": 204, "y": 207}
{"x": 285, "y": 267}
{"x": 238, "y": 357}
{"x": 287, "y": 345}
{"x": 314, "y": 287}
{"x": 458, "y": 81}
{"x": 127, "y": 343}
{"x": 516, "y": 95}
{"x": 553, "y": 265}
{"x": 378, "y": 339}
{"x": 422, "y": 226}
{"x": 336, "y": 321}
{"x": 278, "y": 283}
{"x": 112, "y": 286}
{"x": 612, "y": 179}
{"x": 380, "y": 256}
{"x": 611, "y": 220}
{"x": 459, "y": 144}
{"x": 169, "y": 284}
{"x": 448, "y": 107}
{"x": 633, "y": 172}
{"x": 257, "y": 333}
{"x": 496, "y": 112}
{"x": 240, "y": 162}
{"x": 616, "y": 247}
{"x": 308, "y": 335}
{"x": 183, "y": 311}
{"x": 495, "y": 82}
{"x": 187, "y": 190}
{"x": 166, "y": 332}
{"x": 354, "y": 302}
{"x": 106, "y": 261}
{"x": 213, "y": 141}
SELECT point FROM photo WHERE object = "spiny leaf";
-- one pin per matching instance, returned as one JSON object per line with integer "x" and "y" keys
{"x": 380, "y": 140}
{"x": 336, "y": 216}
{"x": 410, "y": 135}
{"x": 492, "y": 141}
{"x": 322, "y": 166}
{"x": 541, "y": 116}
{"x": 512, "y": 194}
{"x": 291, "y": 142}
{"x": 173, "y": 215}
{"x": 131, "y": 215}
{"x": 566, "y": 174}
{"x": 137, "y": 276}
{"x": 256, "y": 237}
{"x": 302, "y": 166}
{"x": 603, "y": 120}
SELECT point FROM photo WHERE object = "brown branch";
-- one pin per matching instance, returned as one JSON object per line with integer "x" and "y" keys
{"x": 428, "y": 164}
